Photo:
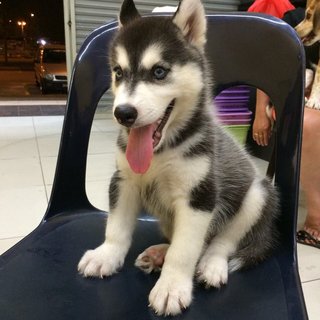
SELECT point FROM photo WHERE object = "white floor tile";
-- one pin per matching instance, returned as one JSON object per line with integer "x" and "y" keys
{"x": 48, "y": 125}
{"x": 102, "y": 142}
{"x": 262, "y": 165}
{"x": 49, "y": 168}
{"x": 22, "y": 209}
{"x": 18, "y": 148}
{"x": 103, "y": 112}
{"x": 311, "y": 291}
{"x": 100, "y": 166}
{"x": 106, "y": 125}
{"x": 20, "y": 172}
{"x": 48, "y": 190}
{"x": 16, "y": 128}
{"x": 309, "y": 263}
{"x": 49, "y": 144}
{"x": 97, "y": 192}
{"x": 101, "y": 115}
{"x": 17, "y": 138}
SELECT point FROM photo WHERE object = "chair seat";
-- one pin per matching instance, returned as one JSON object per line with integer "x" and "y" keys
{"x": 49, "y": 286}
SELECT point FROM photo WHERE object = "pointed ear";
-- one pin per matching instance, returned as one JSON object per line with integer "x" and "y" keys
{"x": 128, "y": 12}
{"x": 191, "y": 20}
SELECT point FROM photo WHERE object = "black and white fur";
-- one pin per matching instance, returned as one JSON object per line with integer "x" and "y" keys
{"x": 213, "y": 207}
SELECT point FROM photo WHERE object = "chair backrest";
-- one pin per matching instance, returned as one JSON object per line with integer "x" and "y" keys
{"x": 243, "y": 48}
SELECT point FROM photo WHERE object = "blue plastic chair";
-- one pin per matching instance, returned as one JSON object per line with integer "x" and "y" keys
{"x": 38, "y": 276}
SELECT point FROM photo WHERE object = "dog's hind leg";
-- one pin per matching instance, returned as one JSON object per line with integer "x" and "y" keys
{"x": 152, "y": 258}
{"x": 214, "y": 265}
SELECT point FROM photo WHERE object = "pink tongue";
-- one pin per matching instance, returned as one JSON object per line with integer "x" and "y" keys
{"x": 140, "y": 148}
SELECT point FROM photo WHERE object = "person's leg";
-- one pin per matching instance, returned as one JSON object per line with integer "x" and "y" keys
{"x": 310, "y": 170}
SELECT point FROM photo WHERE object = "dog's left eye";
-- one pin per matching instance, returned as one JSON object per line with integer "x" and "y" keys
{"x": 118, "y": 73}
{"x": 160, "y": 73}
{"x": 308, "y": 15}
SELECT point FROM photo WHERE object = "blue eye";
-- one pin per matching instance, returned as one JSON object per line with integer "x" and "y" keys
{"x": 159, "y": 73}
{"x": 118, "y": 73}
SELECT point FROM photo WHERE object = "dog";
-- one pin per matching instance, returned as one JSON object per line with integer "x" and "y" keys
{"x": 309, "y": 32}
{"x": 177, "y": 162}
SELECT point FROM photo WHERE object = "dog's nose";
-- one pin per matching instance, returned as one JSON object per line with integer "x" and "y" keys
{"x": 126, "y": 114}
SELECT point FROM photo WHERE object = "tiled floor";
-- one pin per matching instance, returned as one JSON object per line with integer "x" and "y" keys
{"x": 40, "y": 107}
{"x": 28, "y": 154}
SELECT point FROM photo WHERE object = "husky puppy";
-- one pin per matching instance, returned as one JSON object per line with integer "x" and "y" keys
{"x": 178, "y": 163}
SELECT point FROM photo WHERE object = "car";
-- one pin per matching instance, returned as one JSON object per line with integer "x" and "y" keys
{"x": 50, "y": 68}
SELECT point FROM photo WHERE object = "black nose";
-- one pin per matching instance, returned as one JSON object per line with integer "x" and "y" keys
{"x": 126, "y": 114}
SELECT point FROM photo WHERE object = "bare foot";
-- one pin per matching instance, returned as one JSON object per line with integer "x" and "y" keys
{"x": 309, "y": 236}
{"x": 313, "y": 231}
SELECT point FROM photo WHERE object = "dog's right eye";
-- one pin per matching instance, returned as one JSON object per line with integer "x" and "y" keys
{"x": 159, "y": 73}
{"x": 118, "y": 73}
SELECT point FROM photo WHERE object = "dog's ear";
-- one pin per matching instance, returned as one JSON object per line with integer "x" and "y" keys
{"x": 128, "y": 12}
{"x": 191, "y": 20}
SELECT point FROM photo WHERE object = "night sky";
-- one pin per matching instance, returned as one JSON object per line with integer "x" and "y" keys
{"x": 47, "y": 21}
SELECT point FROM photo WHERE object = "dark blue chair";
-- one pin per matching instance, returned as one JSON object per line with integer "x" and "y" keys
{"x": 38, "y": 276}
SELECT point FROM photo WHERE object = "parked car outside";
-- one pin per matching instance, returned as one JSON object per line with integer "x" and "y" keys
{"x": 50, "y": 68}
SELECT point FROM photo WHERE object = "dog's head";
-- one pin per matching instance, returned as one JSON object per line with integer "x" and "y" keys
{"x": 156, "y": 71}
{"x": 309, "y": 29}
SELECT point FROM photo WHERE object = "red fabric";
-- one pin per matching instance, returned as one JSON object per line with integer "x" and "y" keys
{"x": 276, "y": 8}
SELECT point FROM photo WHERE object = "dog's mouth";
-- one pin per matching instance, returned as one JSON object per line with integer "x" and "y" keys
{"x": 142, "y": 142}
{"x": 157, "y": 135}
{"x": 308, "y": 39}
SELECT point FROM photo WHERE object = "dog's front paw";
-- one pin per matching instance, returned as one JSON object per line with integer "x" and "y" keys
{"x": 101, "y": 262}
{"x": 171, "y": 295}
{"x": 313, "y": 103}
{"x": 213, "y": 271}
